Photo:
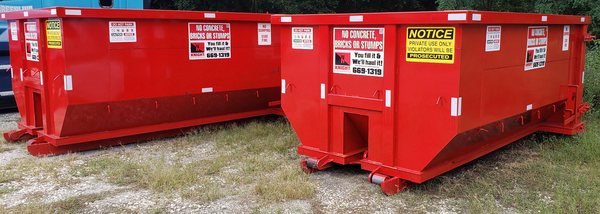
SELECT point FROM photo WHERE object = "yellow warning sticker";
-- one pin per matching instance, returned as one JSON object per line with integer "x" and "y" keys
{"x": 430, "y": 44}
{"x": 54, "y": 33}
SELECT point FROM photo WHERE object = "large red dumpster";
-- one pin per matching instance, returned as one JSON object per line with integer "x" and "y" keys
{"x": 85, "y": 78}
{"x": 409, "y": 96}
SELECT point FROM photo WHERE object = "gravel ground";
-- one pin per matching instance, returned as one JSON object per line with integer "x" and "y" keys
{"x": 338, "y": 190}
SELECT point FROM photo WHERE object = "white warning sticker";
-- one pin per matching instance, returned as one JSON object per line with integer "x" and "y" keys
{"x": 566, "y": 35}
{"x": 537, "y": 46}
{"x": 121, "y": 32}
{"x": 32, "y": 50}
{"x": 492, "y": 38}
{"x": 14, "y": 35}
{"x": 358, "y": 51}
{"x": 302, "y": 38}
{"x": 209, "y": 41}
{"x": 264, "y": 33}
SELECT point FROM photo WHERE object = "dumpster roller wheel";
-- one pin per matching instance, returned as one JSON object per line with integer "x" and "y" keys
{"x": 311, "y": 165}
{"x": 389, "y": 185}
{"x": 18, "y": 135}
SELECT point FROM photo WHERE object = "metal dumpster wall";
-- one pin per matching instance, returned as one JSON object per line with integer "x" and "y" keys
{"x": 94, "y": 86}
{"x": 421, "y": 118}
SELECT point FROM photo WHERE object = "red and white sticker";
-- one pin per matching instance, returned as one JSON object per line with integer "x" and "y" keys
{"x": 209, "y": 41}
{"x": 264, "y": 33}
{"x": 537, "y": 47}
{"x": 302, "y": 38}
{"x": 121, "y": 32}
{"x": 492, "y": 38}
{"x": 32, "y": 50}
{"x": 358, "y": 51}
{"x": 14, "y": 36}
{"x": 566, "y": 35}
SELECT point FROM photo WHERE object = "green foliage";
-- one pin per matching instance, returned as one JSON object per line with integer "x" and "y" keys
{"x": 493, "y": 5}
{"x": 296, "y": 6}
{"x": 569, "y": 7}
{"x": 592, "y": 78}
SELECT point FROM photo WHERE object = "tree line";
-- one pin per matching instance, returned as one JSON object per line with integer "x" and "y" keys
{"x": 571, "y": 7}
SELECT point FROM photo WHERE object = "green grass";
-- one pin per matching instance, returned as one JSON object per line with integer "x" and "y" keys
{"x": 69, "y": 205}
{"x": 244, "y": 154}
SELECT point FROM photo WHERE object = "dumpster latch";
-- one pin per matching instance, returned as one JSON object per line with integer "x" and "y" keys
{"x": 588, "y": 37}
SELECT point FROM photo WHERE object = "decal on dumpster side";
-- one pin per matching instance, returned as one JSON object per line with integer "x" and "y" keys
{"x": 537, "y": 46}
{"x": 32, "y": 50}
{"x": 358, "y": 51}
{"x": 566, "y": 35}
{"x": 264, "y": 33}
{"x": 492, "y": 38}
{"x": 14, "y": 31}
{"x": 209, "y": 41}
{"x": 430, "y": 44}
{"x": 122, "y": 32}
{"x": 54, "y": 33}
{"x": 302, "y": 38}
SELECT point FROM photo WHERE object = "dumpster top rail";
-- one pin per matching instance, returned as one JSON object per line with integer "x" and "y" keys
{"x": 73, "y": 12}
{"x": 430, "y": 17}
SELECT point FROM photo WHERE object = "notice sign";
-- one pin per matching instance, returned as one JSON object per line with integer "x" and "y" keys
{"x": 302, "y": 38}
{"x": 53, "y": 33}
{"x": 358, "y": 51}
{"x": 14, "y": 36}
{"x": 430, "y": 44}
{"x": 566, "y": 35}
{"x": 209, "y": 41}
{"x": 537, "y": 45}
{"x": 121, "y": 32}
{"x": 32, "y": 50}
{"x": 264, "y": 33}
{"x": 492, "y": 38}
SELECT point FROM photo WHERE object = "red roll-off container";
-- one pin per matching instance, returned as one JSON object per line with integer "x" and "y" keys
{"x": 409, "y": 96}
{"x": 86, "y": 78}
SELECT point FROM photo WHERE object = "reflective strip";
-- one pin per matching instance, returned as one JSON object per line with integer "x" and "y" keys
{"x": 544, "y": 18}
{"x": 456, "y": 106}
{"x": 529, "y": 107}
{"x": 41, "y": 78}
{"x": 286, "y": 19}
{"x": 21, "y": 73}
{"x": 459, "y": 106}
{"x": 26, "y": 14}
{"x": 73, "y": 12}
{"x": 582, "y": 77}
{"x": 282, "y": 86}
{"x": 210, "y": 15}
{"x": 476, "y": 17}
{"x": 68, "y": 79}
{"x": 3, "y": 16}
{"x": 356, "y": 18}
{"x": 457, "y": 17}
{"x": 582, "y": 19}
{"x": 53, "y": 12}
{"x": 207, "y": 90}
{"x": 322, "y": 91}
{"x": 7, "y": 93}
{"x": 388, "y": 98}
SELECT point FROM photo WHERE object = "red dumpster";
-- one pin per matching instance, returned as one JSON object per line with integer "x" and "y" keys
{"x": 409, "y": 96}
{"x": 86, "y": 78}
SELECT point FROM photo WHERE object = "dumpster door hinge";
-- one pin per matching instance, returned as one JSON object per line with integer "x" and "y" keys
{"x": 588, "y": 37}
